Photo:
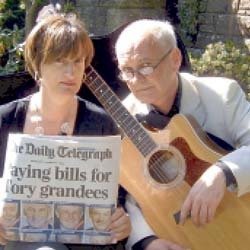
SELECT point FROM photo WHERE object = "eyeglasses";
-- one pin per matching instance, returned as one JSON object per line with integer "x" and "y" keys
{"x": 128, "y": 74}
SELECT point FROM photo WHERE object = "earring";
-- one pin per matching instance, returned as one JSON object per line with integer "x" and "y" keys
{"x": 37, "y": 79}
{"x": 84, "y": 77}
{"x": 36, "y": 76}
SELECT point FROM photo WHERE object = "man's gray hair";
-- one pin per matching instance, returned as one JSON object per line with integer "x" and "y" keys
{"x": 161, "y": 31}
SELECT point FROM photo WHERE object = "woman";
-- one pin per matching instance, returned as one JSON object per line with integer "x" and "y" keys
{"x": 57, "y": 51}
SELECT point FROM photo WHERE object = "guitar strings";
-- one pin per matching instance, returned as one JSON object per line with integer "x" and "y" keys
{"x": 158, "y": 161}
{"x": 156, "y": 168}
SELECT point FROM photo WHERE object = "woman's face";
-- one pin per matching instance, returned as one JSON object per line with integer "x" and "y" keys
{"x": 62, "y": 77}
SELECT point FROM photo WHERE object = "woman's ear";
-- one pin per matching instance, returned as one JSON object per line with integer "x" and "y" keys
{"x": 176, "y": 59}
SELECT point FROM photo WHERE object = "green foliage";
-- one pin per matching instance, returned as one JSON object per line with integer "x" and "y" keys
{"x": 12, "y": 20}
{"x": 224, "y": 59}
{"x": 69, "y": 7}
{"x": 188, "y": 14}
{"x": 11, "y": 53}
{"x": 12, "y": 14}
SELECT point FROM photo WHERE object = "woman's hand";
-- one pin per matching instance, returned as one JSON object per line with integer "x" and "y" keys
{"x": 120, "y": 226}
{"x": 3, "y": 237}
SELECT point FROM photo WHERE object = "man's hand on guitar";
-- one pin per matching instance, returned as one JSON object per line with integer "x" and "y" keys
{"x": 204, "y": 197}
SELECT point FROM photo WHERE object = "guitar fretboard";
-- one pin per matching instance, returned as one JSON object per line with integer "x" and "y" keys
{"x": 130, "y": 126}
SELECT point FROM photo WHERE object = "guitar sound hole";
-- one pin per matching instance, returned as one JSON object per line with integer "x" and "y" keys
{"x": 163, "y": 166}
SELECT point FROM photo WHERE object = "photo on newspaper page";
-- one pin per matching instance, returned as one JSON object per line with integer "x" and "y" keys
{"x": 60, "y": 189}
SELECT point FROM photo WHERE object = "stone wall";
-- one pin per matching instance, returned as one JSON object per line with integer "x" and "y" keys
{"x": 220, "y": 20}
{"x": 224, "y": 20}
{"x": 103, "y": 16}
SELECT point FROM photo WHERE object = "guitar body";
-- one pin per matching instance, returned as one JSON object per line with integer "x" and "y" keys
{"x": 158, "y": 168}
{"x": 230, "y": 229}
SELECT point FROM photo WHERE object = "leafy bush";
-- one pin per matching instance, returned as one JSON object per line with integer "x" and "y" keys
{"x": 224, "y": 59}
{"x": 11, "y": 51}
{"x": 12, "y": 19}
{"x": 188, "y": 12}
{"x": 12, "y": 13}
{"x": 12, "y": 16}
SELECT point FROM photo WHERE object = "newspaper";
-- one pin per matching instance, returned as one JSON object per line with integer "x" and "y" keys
{"x": 59, "y": 189}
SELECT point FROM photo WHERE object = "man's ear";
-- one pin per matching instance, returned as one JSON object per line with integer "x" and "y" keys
{"x": 176, "y": 59}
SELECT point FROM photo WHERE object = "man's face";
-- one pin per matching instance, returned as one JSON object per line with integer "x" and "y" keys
{"x": 9, "y": 214}
{"x": 71, "y": 217}
{"x": 145, "y": 51}
{"x": 38, "y": 215}
{"x": 101, "y": 218}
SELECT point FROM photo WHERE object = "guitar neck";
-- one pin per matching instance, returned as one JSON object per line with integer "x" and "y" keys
{"x": 112, "y": 104}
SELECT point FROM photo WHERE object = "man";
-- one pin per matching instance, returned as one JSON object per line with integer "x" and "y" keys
{"x": 38, "y": 215}
{"x": 100, "y": 217}
{"x": 10, "y": 214}
{"x": 70, "y": 217}
{"x": 149, "y": 61}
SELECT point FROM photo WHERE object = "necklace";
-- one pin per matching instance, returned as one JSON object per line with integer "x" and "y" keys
{"x": 65, "y": 128}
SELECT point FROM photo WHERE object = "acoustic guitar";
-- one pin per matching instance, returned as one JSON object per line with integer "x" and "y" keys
{"x": 158, "y": 168}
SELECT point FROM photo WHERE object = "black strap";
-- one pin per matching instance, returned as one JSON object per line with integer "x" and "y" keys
{"x": 122, "y": 197}
{"x": 153, "y": 119}
{"x": 229, "y": 176}
{"x": 220, "y": 142}
{"x": 143, "y": 243}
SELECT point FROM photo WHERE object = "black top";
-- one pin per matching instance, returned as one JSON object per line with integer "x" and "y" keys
{"x": 90, "y": 120}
